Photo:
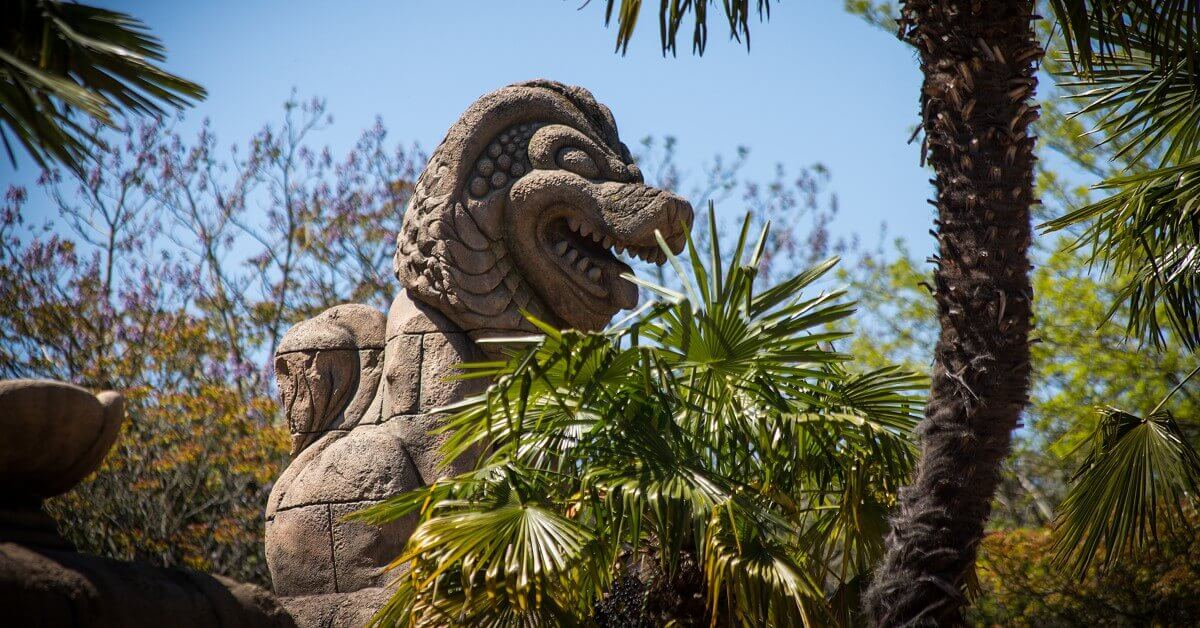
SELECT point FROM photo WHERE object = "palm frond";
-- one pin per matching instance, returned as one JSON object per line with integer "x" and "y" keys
{"x": 673, "y": 13}
{"x": 57, "y": 59}
{"x": 1145, "y": 108}
{"x": 1138, "y": 474}
{"x": 1099, "y": 32}
{"x": 1148, "y": 104}
{"x": 717, "y": 404}
{"x": 1149, "y": 230}
{"x": 757, "y": 577}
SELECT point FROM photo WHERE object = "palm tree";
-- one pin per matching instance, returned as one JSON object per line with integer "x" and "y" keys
{"x": 709, "y": 458}
{"x": 57, "y": 59}
{"x": 1135, "y": 66}
{"x": 979, "y": 62}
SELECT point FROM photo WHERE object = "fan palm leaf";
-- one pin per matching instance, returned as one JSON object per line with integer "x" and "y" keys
{"x": 57, "y": 59}
{"x": 717, "y": 424}
{"x": 1098, "y": 32}
{"x": 1146, "y": 93}
{"x": 1139, "y": 470}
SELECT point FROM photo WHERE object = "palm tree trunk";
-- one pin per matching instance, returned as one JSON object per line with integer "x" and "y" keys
{"x": 979, "y": 60}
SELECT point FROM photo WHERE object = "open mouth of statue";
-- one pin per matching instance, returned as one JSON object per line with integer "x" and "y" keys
{"x": 588, "y": 255}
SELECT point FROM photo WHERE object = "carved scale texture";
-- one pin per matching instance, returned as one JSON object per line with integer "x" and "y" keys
{"x": 451, "y": 251}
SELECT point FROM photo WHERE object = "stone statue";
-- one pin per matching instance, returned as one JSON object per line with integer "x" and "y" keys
{"x": 523, "y": 207}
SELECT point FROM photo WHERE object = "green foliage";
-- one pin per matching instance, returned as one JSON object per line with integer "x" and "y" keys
{"x": 1136, "y": 468}
{"x": 60, "y": 58}
{"x": 1134, "y": 67}
{"x": 1099, "y": 32}
{"x": 1022, "y": 586}
{"x": 1147, "y": 109}
{"x": 881, "y": 14}
{"x": 1125, "y": 275}
{"x": 716, "y": 427}
{"x": 1082, "y": 359}
{"x": 1120, "y": 515}
{"x": 672, "y": 13}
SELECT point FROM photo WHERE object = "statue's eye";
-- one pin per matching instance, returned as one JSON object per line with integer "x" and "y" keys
{"x": 579, "y": 162}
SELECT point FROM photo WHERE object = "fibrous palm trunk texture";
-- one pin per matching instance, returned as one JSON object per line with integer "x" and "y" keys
{"x": 979, "y": 61}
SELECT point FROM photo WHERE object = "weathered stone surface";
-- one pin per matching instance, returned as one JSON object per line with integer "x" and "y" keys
{"x": 402, "y": 375}
{"x": 285, "y": 480}
{"x": 52, "y": 435}
{"x": 370, "y": 364}
{"x": 442, "y": 355}
{"x": 335, "y": 610}
{"x": 329, "y": 369}
{"x": 522, "y": 208}
{"x": 63, "y": 589}
{"x": 300, "y": 551}
{"x": 361, "y": 551}
{"x": 367, "y": 406}
{"x": 423, "y": 442}
{"x": 317, "y": 389}
{"x": 367, "y": 463}
{"x": 526, "y": 170}
{"x": 347, "y": 326}
{"x": 407, "y": 316}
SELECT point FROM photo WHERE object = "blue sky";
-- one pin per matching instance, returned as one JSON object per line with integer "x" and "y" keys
{"x": 818, "y": 84}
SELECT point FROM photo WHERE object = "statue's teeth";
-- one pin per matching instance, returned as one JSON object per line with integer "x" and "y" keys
{"x": 620, "y": 249}
{"x": 594, "y": 274}
{"x": 573, "y": 223}
{"x": 608, "y": 242}
{"x": 584, "y": 228}
{"x": 561, "y": 247}
{"x": 582, "y": 265}
{"x": 571, "y": 255}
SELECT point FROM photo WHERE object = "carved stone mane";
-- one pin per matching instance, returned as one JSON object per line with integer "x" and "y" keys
{"x": 490, "y": 192}
{"x": 524, "y": 206}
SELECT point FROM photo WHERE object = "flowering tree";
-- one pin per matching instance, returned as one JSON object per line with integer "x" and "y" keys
{"x": 171, "y": 272}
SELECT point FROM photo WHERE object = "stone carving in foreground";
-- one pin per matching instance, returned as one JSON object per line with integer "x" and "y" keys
{"x": 521, "y": 207}
{"x": 52, "y": 435}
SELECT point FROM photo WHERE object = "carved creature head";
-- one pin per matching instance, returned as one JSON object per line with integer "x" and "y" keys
{"x": 525, "y": 205}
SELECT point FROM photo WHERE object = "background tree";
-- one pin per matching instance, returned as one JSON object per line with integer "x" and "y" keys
{"x": 1084, "y": 359}
{"x": 169, "y": 273}
{"x": 1021, "y": 585}
{"x": 1122, "y": 112}
{"x": 62, "y": 59}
